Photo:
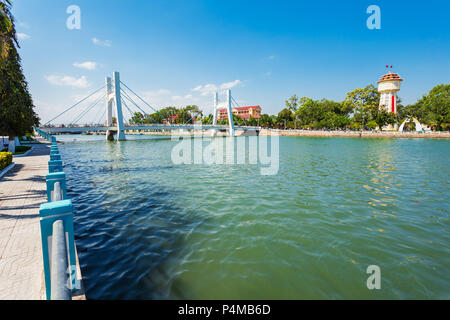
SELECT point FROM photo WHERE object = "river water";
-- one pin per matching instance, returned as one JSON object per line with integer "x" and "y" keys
{"x": 147, "y": 228}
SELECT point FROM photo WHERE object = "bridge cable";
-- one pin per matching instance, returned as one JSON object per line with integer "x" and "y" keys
{"x": 96, "y": 116}
{"x": 144, "y": 101}
{"x": 89, "y": 108}
{"x": 133, "y": 102}
{"x": 148, "y": 115}
{"x": 128, "y": 109}
{"x": 237, "y": 104}
{"x": 102, "y": 117}
{"x": 82, "y": 100}
{"x": 130, "y": 99}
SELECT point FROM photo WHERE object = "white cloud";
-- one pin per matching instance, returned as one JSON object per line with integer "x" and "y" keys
{"x": 68, "y": 81}
{"x": 22, "y": 36}
{"x": 104, "y": 43}
{"x": 271, "y": 57}
{"x": 206, "y": 89}
{"x": 229, "y": 85}
{"x": 88, "y": 65}
{"x": 210, "y": 88}
{"x": 176, "y": 98}
{"x": 188, "y": 96}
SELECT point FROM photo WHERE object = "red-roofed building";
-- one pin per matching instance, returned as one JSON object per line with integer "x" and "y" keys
{"x": 244, "y": 112}
{"x": 171, "y": 119}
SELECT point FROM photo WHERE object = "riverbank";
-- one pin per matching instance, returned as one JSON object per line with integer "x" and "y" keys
{"x": 356, "y": 134}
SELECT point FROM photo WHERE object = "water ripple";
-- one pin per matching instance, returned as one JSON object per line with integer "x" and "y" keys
{"x": 149, "y": 229}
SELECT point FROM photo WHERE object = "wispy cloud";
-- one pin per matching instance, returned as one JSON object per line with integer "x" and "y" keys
{"x": 68, "y": 81}
{"x": 210, "y": 88}
{"x": 22, "y": 36}
{"x": 271, "y": 57}
{"x": 22, "y": 24}
{"x": 88, "y": 65}
{"x": 206, "y": 89}
{"x": 229, "y": 85}
{"x": 104, "y": 43}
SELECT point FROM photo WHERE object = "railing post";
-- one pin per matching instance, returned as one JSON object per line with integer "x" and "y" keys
{"x": 52, "y": 179}
{"x": 49, "y": 213}
{"x": 55, "y": 166}
{"x": 54, "y": 156}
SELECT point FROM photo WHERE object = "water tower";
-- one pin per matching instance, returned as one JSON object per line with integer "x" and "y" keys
{"x": 388, "y": 86}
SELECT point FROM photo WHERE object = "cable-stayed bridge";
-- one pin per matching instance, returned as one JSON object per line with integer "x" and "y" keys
{"x": 117, "y": 95}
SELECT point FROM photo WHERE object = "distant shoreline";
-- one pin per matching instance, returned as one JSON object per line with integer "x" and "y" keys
{"x": 362, "y": 134}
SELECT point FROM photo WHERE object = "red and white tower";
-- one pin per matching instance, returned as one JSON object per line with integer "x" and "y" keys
{"x": 388, "y": 86}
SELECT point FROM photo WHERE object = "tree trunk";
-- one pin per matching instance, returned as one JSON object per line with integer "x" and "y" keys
{"x": 12, "y": 145}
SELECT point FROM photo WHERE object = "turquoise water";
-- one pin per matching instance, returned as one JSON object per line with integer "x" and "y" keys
{"x": 149, "y": 229}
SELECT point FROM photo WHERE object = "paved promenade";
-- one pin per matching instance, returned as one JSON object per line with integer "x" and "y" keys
{"x": 22, "y": 190}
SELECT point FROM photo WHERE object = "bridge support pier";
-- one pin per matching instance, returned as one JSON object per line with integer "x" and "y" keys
{"x": 118, "y": 101}
{"x": 110, "y": 135}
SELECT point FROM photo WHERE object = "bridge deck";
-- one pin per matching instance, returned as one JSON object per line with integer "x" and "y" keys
{"x": 148, "y": 127}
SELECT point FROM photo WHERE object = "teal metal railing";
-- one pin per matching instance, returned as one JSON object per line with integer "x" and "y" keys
{"x": 57, "y": 233}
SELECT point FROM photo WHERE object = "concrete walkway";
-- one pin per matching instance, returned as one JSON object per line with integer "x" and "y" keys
{"x": 22, "y": 190}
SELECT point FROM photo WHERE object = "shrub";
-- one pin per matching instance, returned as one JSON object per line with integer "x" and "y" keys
{"x": 22, "y": 149}
{"x": 5, "y": 159}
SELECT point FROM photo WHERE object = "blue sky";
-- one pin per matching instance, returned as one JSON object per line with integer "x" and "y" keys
{"x": 177, "y": 52}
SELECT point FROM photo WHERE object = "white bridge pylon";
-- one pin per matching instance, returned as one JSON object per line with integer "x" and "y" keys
{"x": 225, "y": 105}
{"x": 113, "y": 97}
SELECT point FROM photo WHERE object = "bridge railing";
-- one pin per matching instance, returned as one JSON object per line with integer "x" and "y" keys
{"x": 57, "y": 232}
{"x": 146, "y": 126}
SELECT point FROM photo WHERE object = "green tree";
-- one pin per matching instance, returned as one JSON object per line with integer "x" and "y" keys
{"x": 284, "y": 116}
{"x": 137, "y": 118}
{"x": 208, "y": 119}
{"x": 436, "y": 106}
{"x": 7, "y": 30}
{"x": 17, "y": 116}
{"x": 292, "y": 103}
{"x": 266, "y": 121}
{"x": 381, "y": 117}
{"x": 359, "y": 102}
{"x": 252, "y": 122}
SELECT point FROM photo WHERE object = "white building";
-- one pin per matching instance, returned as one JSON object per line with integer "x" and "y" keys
{"x": 388, "y": 86}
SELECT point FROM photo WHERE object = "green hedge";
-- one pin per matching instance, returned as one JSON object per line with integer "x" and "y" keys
{"x": 22, "y": 149}
{"x": 19, "y": 149}
{"x": 5, "y": 159}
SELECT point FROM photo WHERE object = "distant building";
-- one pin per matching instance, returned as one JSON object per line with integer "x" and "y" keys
{"x": 388, "y": 86}
{"x": 172, "y": 119}
{"x": 244, "y": 112}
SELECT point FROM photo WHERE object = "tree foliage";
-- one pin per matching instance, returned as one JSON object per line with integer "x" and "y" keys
{"x": 432, "y": 109}
{"x": 17, "y": 116}
{"x": 173, "y": 115}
